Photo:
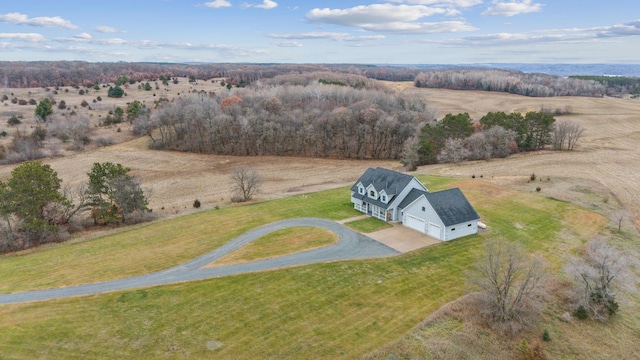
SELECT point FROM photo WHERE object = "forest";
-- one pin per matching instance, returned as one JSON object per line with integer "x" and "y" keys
{"x": 315, "y": 120}
{"x": 78, "y": 73}
{"x": 513, "y": 82}
{"x": 615, "y": 85}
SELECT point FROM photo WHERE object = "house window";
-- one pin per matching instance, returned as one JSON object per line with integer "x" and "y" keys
{"x": 453, "y": 229}
{"x": 361, "y": 190}
{"x": 372, "y": 193}
{"x": 424, "y": 209}
{"x": 384, "y": 198}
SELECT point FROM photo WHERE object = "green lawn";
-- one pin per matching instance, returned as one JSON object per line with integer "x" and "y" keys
{"x": 278, "y": 243}
{"x": 159, "y": 245}
{"x": 333, "y": 310}
{"x": 368, "y": 225}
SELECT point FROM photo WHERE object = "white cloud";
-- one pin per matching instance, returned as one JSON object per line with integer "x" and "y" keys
{"x": 18, "y": 18}
{"x": 87, "y": 38}
{"x": 512, "y": 8}
{"x": 372, "y": 14}
{"x": 289, "y": 44}
{"x": 389, "y": 18}
{"x": 335, "y": 36}
{"x": 628, "y": 29}
{"x": 267, "y": 4}
{"x": 447, "y": 3}
{"x": 423, "y": 28}
{"x": 83, "y": 36}
{"x": 217, "y": 4}
{"x": 556, "y": 36}
{"x": 31, "y": 37}
{"x": 502, "y": 39}
{"x": 107, "y": 29}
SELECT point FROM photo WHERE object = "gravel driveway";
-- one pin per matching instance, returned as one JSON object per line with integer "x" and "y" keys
{"x": 351, "y": 245}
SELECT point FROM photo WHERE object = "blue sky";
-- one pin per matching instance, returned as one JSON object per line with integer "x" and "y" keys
{"x": 347, "y": 31}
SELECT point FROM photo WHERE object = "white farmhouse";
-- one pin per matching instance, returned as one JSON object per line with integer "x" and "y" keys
{"x": 392, "y": 196}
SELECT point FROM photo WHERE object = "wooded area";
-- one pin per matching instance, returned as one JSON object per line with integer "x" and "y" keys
{"x": 20, "y": 74}
{"x": 316, "y": 120}
{"x": 35, "y": 208}
{"x": 514, "y": 82}
{"x": 78, "y": 73}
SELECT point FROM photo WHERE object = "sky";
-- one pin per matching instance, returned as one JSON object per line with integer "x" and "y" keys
{"x": 346, "y": 31}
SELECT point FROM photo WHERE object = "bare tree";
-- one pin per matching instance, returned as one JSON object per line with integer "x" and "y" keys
{"x": 410, "y": 157}
{"x": 454, "y": 151}
{"x": 246, "y": 183}
{"x": 574, "y": 133}
{"x": 598, "y": 272}
{"x": 619, "y": 216}
{"x": 508, "y": 280}
{"x": 566, "y": 132}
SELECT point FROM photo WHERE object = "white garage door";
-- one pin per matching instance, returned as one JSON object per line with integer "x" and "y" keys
{"x": 414, "y": 223}
{"x": 434, "y": 230}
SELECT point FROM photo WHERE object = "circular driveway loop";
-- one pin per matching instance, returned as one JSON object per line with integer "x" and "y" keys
{"x": 351, "y": 245}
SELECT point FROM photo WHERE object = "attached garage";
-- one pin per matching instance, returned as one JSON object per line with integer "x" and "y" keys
{"x": 444, "y": 215}
{"x": 414, "y": 223}
{"x": 434, "y": 230}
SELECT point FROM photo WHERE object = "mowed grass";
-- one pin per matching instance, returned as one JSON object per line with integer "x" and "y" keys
{"x": 368, "y": 225}
{"x": 278, "y": 243}
{"x": 332, "y": 310}
{"x": 159, "y": 245}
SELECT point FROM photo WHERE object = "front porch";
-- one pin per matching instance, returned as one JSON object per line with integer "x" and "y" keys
{"x": 374, "y": 211}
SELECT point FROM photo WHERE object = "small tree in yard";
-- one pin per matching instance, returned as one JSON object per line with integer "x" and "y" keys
{"x": 113, "y": 193}
{"x": 246, "y": 183}
{"x": 32, "y": 188}
{"x": 508, "y": 282}
{"x": 598, "y": 272}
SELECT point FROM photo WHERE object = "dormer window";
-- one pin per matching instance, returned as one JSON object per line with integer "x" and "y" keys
{"x": 361, "y": 190}
{"x": 384, "y": 198}
{"x": 372, "y": 194}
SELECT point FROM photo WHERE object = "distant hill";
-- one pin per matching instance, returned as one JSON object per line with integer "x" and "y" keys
{"x": 574, "y": 69}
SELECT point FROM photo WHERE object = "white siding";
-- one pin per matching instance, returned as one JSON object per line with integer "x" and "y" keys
{"x": 413, "y": 184}
{"x": 358, "y": 205}
{"x": 414, "y": 223}
{"x": 428, "y": 215}
{"x": 460, "y": 230}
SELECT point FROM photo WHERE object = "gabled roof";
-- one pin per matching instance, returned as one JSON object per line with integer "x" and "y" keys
{"x": 451, "y": 205}
{"x": 392, "y": 182}
{"x": 411, "y": 197}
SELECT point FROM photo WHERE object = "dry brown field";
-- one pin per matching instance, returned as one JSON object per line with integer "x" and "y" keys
{"x": 607, "y": 158}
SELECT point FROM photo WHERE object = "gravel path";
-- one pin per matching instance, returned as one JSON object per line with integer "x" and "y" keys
{"x": 351, "y": 245}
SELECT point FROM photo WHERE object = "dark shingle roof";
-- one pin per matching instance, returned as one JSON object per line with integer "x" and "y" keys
{"x": 452, "y": 206}
{"x": 392, "y": 182}
{"x": 411, "y": 197}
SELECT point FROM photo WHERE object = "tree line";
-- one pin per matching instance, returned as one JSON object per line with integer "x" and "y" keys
{"x": 22, "y": 74}
{"x": 615, "y": 85}
{"x": 513, "y": 82}
{"x": 458, "y": 138}
{"x": 316, "y": 120}
{"x": 36, "y": 209}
